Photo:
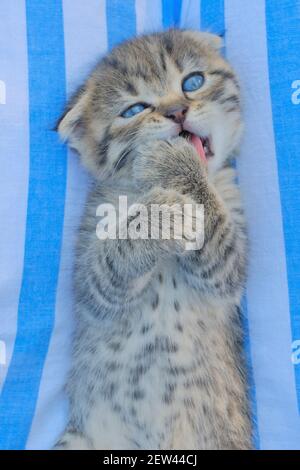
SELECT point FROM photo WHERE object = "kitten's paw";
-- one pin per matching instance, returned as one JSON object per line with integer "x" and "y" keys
{"x": 175, "y": 219}
{"x": 163, "y": 162}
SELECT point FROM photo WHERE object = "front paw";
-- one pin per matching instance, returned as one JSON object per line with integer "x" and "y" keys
{"x": 167, "y": 164}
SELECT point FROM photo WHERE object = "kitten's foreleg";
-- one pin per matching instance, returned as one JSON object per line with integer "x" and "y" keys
{"x": 116, "y": 270}
{"x": 218, "y": 268}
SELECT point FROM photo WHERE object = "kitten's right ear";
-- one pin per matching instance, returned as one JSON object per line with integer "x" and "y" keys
{"x": 71, "y": 125}
{"x": 214, "y": 41}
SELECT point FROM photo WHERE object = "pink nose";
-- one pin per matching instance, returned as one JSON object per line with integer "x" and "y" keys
{"x": 176, "y": 113}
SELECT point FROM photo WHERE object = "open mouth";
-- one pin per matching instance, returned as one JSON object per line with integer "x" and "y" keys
{"x": 201, "y": 144}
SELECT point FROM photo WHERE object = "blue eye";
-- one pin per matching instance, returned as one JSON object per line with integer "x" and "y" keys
{"x": 193, "y": 82}
{"x": 133, "y": 110}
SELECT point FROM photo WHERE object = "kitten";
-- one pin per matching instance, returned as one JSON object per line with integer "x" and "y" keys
{"x": 157, "y": 361}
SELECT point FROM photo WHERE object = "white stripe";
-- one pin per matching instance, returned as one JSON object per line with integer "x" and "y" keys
{"x": 85, "y": 42}
{"x": 267, "y": 291}
{"x": 148, "y": 16}
{"x": 14, "y": 157}
{"x": 190, "y": 14}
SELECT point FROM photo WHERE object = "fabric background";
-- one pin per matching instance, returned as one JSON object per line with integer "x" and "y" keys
{"x": 47, "y": 47}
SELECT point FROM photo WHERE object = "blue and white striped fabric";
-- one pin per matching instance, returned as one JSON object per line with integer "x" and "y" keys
{"x": 47, "y": 48}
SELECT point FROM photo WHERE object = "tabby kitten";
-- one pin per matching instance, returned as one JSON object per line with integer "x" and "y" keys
{"x": 157, "y": 361}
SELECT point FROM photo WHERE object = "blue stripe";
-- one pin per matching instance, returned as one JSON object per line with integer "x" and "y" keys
{"x": 212, "y": 16}
{"x": 283, "y": 39}
{"x": 45, "y": 215}
{"x": 171, "y": 12}
{"x": 121, "y": 21}
{"x": 250, "y": 375}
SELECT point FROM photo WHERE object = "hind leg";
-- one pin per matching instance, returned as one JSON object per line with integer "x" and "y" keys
{"x": 72, "y": 440}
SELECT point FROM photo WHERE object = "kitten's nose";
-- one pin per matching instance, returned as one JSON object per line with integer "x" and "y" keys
{"x": 176, "y": 113}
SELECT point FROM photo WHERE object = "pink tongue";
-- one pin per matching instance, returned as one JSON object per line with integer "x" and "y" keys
{"x": 196, "y": 141}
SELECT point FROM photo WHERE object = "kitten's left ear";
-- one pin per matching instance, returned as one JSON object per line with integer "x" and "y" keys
{"x": 70, "y": 125}
{"x": 207, "y": 39}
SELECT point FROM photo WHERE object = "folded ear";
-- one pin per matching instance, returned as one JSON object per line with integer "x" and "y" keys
{"x": 71, "y": 125}
{"x": 211, "y": 40}
{"x": 75, "y": 129}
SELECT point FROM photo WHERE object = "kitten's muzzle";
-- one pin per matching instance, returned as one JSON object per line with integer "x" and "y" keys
{"x": 176, "y": 113}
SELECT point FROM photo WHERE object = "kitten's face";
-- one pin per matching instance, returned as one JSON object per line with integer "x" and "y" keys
{"x": 155, "y": 87}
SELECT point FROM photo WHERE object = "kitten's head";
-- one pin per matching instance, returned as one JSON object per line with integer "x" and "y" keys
{"x": 155, "y": 87}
